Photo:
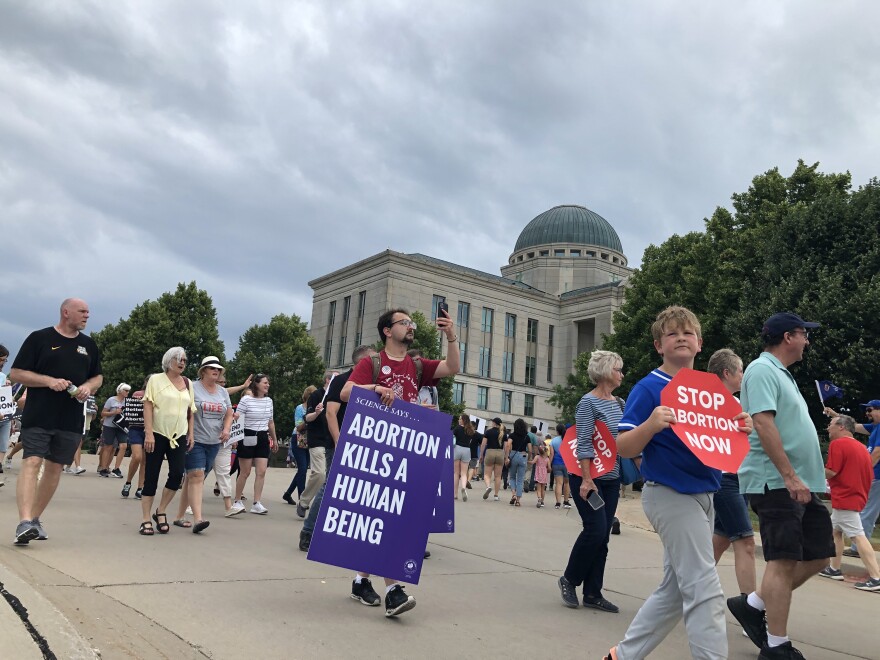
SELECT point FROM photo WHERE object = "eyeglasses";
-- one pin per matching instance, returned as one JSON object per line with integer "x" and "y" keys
{"x": 182, "y": 360}
{"x": 406, "y": 322}
{"x": 805, "y": 333}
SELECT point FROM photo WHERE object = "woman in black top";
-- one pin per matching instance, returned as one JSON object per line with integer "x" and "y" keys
{"x": 518, "y": 454}
{"x": 462, "y": 456}
{"x": 476, "y": 441}
{"x": 493, "y": 457}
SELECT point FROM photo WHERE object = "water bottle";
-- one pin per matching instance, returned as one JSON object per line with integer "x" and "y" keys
{"x": 72, "y": 390}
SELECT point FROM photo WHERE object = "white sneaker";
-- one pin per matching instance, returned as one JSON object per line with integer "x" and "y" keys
{"x": 259, "y": 508}
{"x": 238, "y": 507}
{"x": 189, "y": 510}
{"x": 79, "y": 470}
{"x": 67, "y": 470}
{"x": 464, "y": 495}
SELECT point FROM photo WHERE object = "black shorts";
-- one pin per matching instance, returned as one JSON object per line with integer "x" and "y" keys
{"x": 259, "y": 450}
{"x": 790, "y": 530}
{"x": 56, "y": 446}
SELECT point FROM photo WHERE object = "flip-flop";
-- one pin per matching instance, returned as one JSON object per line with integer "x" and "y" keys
{"x": 146, "y": 529}
{"x": 200, "y": 526}
{"x": 182, "y": 523}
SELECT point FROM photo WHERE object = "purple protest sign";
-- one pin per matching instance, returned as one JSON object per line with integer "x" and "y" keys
{"x": 443, "y": 521}
{"x": 381, "y": 488}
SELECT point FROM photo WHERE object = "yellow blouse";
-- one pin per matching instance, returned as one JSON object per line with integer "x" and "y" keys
{"x": 170, "y": 407}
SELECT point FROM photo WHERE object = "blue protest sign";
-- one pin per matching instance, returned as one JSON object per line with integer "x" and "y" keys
{"x": 443, "y": 521}
{"x": 381, "y": 488}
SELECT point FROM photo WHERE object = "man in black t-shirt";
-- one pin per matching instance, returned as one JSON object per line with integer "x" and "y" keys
{"x": 319, "y": 439}
{"x": 61, "y": 367}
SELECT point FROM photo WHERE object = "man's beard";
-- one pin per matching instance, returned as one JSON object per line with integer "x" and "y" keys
{"x": 408, "y": 340}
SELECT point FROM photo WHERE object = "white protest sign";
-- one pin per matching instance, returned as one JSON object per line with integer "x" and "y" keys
{"x": 7, "y": 403}
{"x": 479, "y": 424}
{"x": 543, "y": 426}
{"x": 236, "y": 431}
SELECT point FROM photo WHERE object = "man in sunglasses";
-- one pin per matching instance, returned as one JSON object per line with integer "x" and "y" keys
{"x": 399, "y": 377}
{"x": 782, "y": 474}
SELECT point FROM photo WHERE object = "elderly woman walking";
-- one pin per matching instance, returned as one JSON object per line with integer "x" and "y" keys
{"x": 169, "y": 404}
{"x": 586, "y": 564}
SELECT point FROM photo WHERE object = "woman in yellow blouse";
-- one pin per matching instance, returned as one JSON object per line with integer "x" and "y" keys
{"x": 169, "y": 404}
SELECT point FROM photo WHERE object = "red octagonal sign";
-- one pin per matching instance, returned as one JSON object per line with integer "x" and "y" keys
{"x": 705, "y": 411}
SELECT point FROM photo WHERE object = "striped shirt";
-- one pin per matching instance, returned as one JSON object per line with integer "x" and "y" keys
{"x": 591, "y": 409}
{"x": 257, "y": 412}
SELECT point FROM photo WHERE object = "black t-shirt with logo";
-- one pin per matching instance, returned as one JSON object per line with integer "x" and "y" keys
{"x": 49, "y": 353}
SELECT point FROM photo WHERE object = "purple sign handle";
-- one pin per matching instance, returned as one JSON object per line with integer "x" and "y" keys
{"x": 443, "y": 521}
{"x": 381, "y": 488}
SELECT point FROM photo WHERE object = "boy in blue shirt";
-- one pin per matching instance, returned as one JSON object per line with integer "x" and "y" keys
{"x": 677, "y": 498}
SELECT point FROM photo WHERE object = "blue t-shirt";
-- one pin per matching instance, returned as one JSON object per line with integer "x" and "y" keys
{"x": 874, "y": 441}
{"x": 665, "y": 459}
{"x": 557, "y": 455}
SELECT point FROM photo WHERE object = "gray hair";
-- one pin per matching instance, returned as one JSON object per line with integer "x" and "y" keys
{"x": 601, "y": 364}
{"x": 172, "y": 355}
{"x": 846, "y": 422}
{"x": 722, "y": 359}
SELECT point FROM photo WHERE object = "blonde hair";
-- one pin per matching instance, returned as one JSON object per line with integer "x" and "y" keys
{"x": 722, "y": 359}
{"x": 673, "y": 318}
{"x": 602, "y": 364}
{"x": 308, "y": 392}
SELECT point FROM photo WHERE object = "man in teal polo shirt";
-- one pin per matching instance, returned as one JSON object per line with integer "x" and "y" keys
{"x": 782, "y": 473}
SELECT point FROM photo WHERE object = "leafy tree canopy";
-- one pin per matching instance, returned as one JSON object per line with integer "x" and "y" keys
{"x": 806, "y": 243}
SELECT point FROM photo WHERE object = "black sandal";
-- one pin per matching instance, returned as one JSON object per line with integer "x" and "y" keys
{"x": 146, "y": 529}
{"x": 200, "y": 526}
{"x": 163, "y": 527}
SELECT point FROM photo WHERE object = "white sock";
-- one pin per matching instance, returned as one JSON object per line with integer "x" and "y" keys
{"x": 390, "y": 587}
{"x": 756, "y": 601}
{"x": 773, "y": 640}
{"x": 357, "y": 578}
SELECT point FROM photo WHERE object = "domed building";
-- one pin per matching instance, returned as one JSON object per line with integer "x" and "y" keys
{"x": 519, "y": 333}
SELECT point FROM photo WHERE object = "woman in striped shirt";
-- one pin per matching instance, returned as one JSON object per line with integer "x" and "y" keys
{"x": 258, "y": 444}
{"x": 586, "y": 564}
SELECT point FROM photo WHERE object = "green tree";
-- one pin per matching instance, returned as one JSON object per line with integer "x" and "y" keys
{"x": 283, "y": 350}
{"x": 806, "y": 243}
{"x": 132, "y": 348}
{"x": 566, "y": 397}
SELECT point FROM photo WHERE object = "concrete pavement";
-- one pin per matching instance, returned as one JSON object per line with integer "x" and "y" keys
{"x": 243, "y": 589}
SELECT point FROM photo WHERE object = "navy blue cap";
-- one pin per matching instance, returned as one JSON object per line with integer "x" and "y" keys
{"x": 873, "y": 403}
{"x": 782, "y": 322}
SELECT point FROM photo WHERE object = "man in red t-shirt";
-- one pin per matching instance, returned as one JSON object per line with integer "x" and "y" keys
{"x": 398, "y": 379}
{"x": 849, "y": 472}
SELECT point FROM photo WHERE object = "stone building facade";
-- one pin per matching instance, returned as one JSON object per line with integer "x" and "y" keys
{"x": 519, "y": 332}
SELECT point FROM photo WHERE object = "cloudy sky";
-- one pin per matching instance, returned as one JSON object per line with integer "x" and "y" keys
{"x": 253, "y": 146}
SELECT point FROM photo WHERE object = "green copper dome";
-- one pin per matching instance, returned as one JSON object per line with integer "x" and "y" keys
{"x": 569, "y": 224}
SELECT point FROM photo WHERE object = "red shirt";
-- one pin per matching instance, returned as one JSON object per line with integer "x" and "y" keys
{"x": 399, "y": 375}
{"x": 851, "y": 461}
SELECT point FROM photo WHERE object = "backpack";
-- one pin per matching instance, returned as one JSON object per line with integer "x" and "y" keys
{"x": 377, "y": 364}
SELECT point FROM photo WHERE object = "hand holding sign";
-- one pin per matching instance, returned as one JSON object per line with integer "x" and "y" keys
{"x": 708, "y": 419}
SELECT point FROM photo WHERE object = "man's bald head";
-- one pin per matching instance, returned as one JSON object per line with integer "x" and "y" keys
{"x": 74, "y": 314}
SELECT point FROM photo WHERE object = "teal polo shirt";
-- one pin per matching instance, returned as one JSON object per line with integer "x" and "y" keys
{"x": 768, "y": 386}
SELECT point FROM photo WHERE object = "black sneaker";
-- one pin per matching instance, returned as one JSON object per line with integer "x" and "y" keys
{"x": 126, "y": 489}
{"x": 566, "y": 504}
{"x": 751, "y": 619}
{"x": 397, "y": 602}
{"x": 287, "y": 498}
{"x": 833, "y": 573}
{"x": 104, "y": 473}
{"x": 365, "y": 593}
{"x": 427, "y": 554}
{"x": 138, "y": 494}
{"x": 301, "y": 510}
{"x": 566, "y": 590}
{"x": 557, "y": 505}
{"x": 851, "y": 552}
{"x": 601, "y": 604}
{"x": 615, "y": 526}
{"x": 305, "y": 540}
{"x": 782, "y": 652}
{"x": 117, "y": 473}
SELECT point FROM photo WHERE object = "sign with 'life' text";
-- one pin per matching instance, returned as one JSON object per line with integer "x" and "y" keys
{"x": 704, "y": 412}
{"x": 604, "y": 446}
{"x": 382, "y": 488}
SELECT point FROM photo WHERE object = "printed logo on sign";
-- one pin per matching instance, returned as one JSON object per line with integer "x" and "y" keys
{"x": 82, "y": 350}
{"x": 448, "y": 524}
{"x": 386, "y": 370}
{"x": 410, "y": 566}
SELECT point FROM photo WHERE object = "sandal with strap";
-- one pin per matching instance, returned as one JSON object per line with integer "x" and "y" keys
{"x": 201, "y": 526}
{"x": 183, "y": 522}
{"x": 146, "y": 529}
{"x": 161, "y": 526}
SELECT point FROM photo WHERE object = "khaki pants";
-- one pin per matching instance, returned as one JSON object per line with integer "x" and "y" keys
{"x": 317, "y": 475}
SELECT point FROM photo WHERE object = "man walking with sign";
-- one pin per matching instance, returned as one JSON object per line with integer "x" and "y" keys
{"x": 399, "y": 378}
{"x": 61, "y": 367}
{"x": 782, "y": 473}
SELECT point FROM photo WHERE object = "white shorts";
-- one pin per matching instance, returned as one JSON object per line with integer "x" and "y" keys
{"x": 848, "y": 522}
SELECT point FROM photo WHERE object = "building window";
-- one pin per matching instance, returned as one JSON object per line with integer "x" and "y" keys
{"x": 549, "y": 371}
{"x": 464, "y": 314}
{"x": 510, "y": 325}
{"x": 531, "y": 255}
{"x": 341, "y": 359}
{"x": 436, "y": 300}
{"x": 558, "y": 253}
{"x": 357, "y": 339}
{"x": 488, "y": 315}
{"x": 550, "y": 336}
{"x": 482, "y": 398}
{"x": 531, "y": 368}
{"x": 605, "y": 256}
{"x": 346, "y": 307}
{"x": 529, "y": 406}
{"x": 519, "y": 258}
{"x": 507, "y": 367}
{"x": 362, "y": 303}
{"x": 331, "y": 315}
{"x": 506, "y": 400}
{"x": 532, "y": 331}
{"x": 544, "y": 253}
{"x": 328, "y": 350}
{"x": 458, "y": 393}
{"x": 591, "y": 253}
{"x": 575, "y": 253}
{"x": 485, "y": 367}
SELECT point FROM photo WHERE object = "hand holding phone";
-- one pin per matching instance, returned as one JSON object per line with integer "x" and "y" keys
{"x": 442, "y": 310}
{"x": 595, "y": 500}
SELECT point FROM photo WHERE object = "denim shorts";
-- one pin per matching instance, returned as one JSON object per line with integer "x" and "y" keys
{"x": 136, "y": 435}
{"x": 731, "y": 510}
{"x": 5, "y": 429}
{"x": 201, "y": 457}
{"x": 560, "y": 471}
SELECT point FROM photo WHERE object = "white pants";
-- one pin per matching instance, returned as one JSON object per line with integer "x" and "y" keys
{"x": 222, "y": 465}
